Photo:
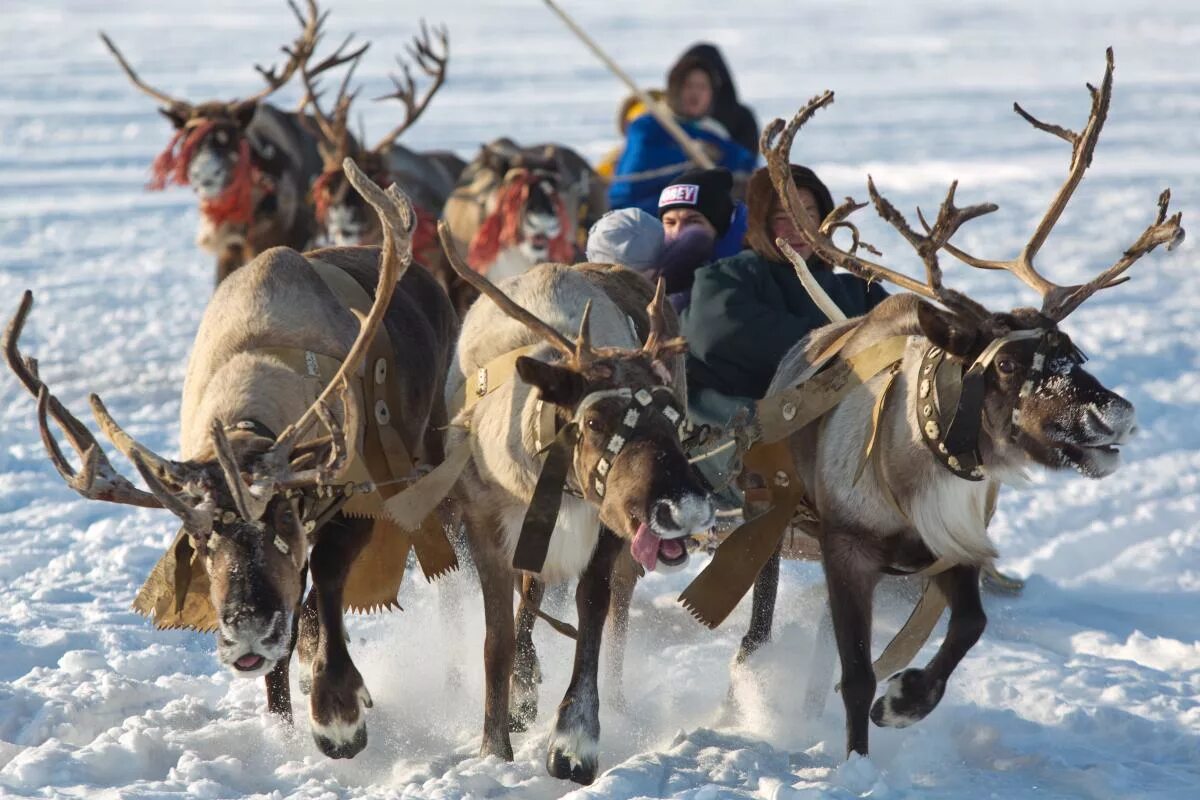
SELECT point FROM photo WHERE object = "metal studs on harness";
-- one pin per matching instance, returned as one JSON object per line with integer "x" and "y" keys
{"x": 955, "y": 441}
{"x": 533, "y": 543}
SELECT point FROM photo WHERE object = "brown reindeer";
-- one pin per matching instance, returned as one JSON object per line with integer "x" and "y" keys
{"x": 343, "y": 218}
{"x": 615, "y": 420}
{"x": 515, "y": 207}
{"x": 249, "y": 163}
{"x": 975, "y": 398}
{"x": 256, "y": 485}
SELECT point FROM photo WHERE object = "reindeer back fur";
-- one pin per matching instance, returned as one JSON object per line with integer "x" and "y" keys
{"x": 279, "y": 301}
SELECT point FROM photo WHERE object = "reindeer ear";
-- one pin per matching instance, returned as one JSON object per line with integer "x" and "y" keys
{"x": 946, "y": 330}
{"x": 178, "y": 118}
{"x": 557, "y": 385}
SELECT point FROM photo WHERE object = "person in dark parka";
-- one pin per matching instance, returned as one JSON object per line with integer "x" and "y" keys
{"x": 748, "y": 310}
{"x": 737, "y": 118}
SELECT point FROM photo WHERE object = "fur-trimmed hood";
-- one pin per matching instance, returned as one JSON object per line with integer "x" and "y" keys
{"x": 763, "y": 202}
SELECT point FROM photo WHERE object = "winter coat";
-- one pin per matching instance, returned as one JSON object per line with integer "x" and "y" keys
{"x": 648, "y": 146}
{"x": 738, "y": 119}
{"x": 747, "y": 312}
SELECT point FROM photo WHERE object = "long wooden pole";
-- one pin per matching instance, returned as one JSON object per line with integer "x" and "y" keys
{"x": 659, "y": 110}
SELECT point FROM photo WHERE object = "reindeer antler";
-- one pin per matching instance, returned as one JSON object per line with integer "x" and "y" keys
{"x": 397, "y": 218}
{"x": 298, "y": 52}
{"x": 333, "y": 129}
{"x": 1059, "y": 301}
{"x": 433, "y": 64}
{"x": 655, "y": 346}
{"x": 96, "y": 479}
{"x": 174, "y": 103}
{"x": 776, "y": 145}
{"x": 506, "y": 303}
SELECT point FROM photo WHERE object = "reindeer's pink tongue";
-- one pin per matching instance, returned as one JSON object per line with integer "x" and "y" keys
{"x": 645, "y": 547}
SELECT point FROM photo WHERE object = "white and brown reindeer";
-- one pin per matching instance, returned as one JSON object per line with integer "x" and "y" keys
{"x": 612, "y": 428}
{"x": 973, "y": 399}
{"x": 258, "y": 483}
{"x": 515, "y": 207}
{"x": 428, "y": 178}
{"x": 249, "y": 163}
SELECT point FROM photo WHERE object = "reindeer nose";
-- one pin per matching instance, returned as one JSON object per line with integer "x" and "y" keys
{"x": 1113, "y": 423}
{"x": 689, "y": 514}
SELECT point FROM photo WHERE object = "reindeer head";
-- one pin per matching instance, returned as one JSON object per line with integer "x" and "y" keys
{"x": 346, "y": 218}
{"x": 249, "y": 503}
{"x": 1038, "y": 404}
{"x": 211, "y": 150}
{"x": 528, "y": 210}
{"x": 1025, "y": 397}
{"x": 622, "y": 423}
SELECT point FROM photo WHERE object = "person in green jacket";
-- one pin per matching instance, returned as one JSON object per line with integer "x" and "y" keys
{"x": 749, "y": 309}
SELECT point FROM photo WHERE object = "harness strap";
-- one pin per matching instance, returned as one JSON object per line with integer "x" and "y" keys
{"x": 782, "y": 414}
{"x": 487, "y": 379}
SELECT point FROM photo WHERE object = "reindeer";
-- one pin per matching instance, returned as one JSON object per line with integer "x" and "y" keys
{"x": 254, "y": 486}
{"x": 343, "y": 218}
{"x": 249, "y": 163}
{"x": 1023, "y": 400}
{"x": 617, "y": 417}
{"x": 516, "y": 207}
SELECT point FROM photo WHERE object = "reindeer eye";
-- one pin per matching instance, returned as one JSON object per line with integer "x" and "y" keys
{"x": 594, "y": 425}
{"x": 1006, "y": 366}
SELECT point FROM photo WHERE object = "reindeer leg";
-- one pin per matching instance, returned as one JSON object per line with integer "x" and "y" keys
{"x": 309, "y": 635}
{"x": 279, "y": 690}
{"x": 762, "y": 612}
{"x": 574, "y": 744}
{"x": 851, "y": 572}
{"x": 338, "y": 692}
{"x": 762, "y": 617}
{"x": 499, "y": 644}
{"x": 624, "y": 579}
{"x": 526, "y": 670}
{"x": 913, "y": 693}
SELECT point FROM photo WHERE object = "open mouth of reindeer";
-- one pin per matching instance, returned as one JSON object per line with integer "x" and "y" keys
{"x": 651, "y": 549}
{"x": 249, "y": 662}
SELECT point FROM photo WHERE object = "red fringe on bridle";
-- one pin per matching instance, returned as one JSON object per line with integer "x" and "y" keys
{"x": 425, "y": 236}
{"x": 236, "y": 203}
{"x": 502, "y": 228}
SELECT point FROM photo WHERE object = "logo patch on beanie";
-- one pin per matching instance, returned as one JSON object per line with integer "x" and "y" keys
{"x": 686, "y": 193}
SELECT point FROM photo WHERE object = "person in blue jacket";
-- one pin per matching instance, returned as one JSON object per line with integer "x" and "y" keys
{"x": 691, "y": 88}
{"x": 747, "y": 311}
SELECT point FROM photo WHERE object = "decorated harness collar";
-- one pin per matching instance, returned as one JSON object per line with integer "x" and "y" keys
{"x": 950, "y": 402}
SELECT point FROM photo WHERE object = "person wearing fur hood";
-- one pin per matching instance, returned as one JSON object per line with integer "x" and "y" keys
{"x": 748, "y": 310}
{"x": 692, "y": 88}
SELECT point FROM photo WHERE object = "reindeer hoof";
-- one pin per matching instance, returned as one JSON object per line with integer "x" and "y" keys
{"x": 340, "y": 747}
{"x": 573, "y": 756}
{"x": 909, "y": 698}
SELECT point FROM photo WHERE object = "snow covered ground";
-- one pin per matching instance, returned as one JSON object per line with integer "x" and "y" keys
{"x": 1088, "y": 685}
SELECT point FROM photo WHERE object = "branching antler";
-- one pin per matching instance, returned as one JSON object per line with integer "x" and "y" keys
{"x": 776, "y": 145}
{"x": 1059, "y": 301}
{"x": 334, "y": 128}
{"x": 398, "y": 219}
{"x": 96, "y": 479}
{"x": 433, "y": 64}
{"x": 298, "y": 52}
{"x": 175, "y": 104}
